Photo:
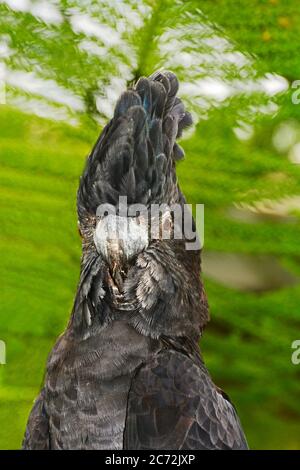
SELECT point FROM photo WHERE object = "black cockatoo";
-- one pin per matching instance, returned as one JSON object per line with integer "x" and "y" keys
{"x": 127, "y": 373}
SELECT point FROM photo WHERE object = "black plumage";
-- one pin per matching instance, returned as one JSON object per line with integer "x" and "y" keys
{"x": 127, "y": 372}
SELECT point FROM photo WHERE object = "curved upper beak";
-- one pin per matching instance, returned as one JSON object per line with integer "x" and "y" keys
{"x": 119, "y": 239}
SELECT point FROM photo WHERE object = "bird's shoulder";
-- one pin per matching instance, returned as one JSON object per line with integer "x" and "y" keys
{"x": 173, "y": 404}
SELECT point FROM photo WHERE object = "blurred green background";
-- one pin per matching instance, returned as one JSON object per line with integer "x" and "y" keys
{"x": 64, "y": 63}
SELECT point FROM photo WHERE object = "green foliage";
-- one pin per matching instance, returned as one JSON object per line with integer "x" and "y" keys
{"x": 249, "y": 184}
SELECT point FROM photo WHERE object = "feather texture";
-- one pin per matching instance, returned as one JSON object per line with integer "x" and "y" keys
{"x": 173, "y": 404}
{"x": 137, "y": 147}
{"x": 127, "y": 371}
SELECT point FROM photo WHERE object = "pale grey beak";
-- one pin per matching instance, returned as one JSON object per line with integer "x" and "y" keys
{"x": 119, "y": 239}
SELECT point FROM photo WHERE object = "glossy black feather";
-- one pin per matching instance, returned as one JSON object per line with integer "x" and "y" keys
{"x": 37, "y": 435}
{"x": 126, "y": 160}
{"x": 173, "y": 404}
{"x": 127, "y": 370}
